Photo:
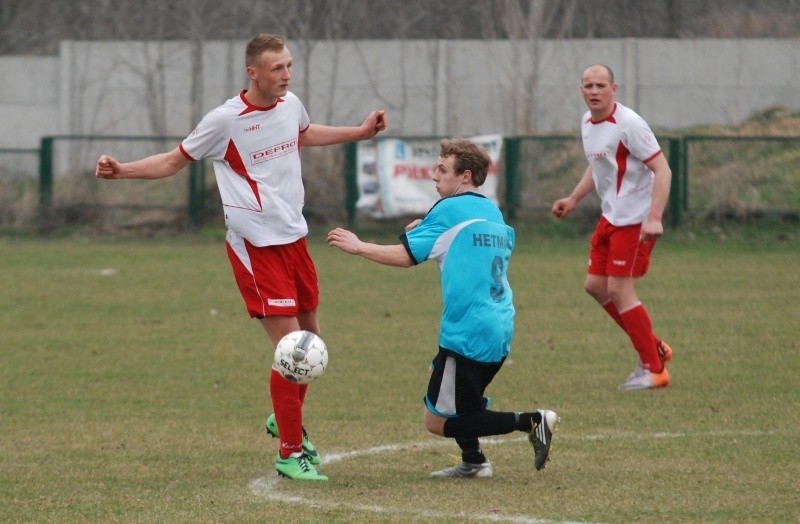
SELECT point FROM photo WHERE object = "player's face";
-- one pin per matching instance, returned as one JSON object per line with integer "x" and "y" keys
{"x": 448, "y": 182}
{"x": 598, "y": 92}
{"x": 271, "y": 74}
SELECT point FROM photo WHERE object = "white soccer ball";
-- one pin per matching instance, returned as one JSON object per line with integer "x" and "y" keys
{"x": 301, "y": 357}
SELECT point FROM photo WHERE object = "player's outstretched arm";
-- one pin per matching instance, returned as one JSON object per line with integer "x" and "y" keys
{"x": 393, "y": 255}
{"x": 153, "y": 167}
{"x": 320, "y": 135}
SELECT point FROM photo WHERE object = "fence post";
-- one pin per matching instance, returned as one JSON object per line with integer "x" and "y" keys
{"x": 351, "y": 181}
{"x": 676, "y": 164}
{"x": 46, "y": 171}
{"x": 685, "y": 172}
{"x": 511, "y": 162}
{"x": 197, "y": 197}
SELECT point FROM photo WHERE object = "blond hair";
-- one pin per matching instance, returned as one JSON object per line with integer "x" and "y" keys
{"x": 261, "y": 43}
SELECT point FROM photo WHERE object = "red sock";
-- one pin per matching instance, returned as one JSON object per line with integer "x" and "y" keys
{"x": 303, "y": 390}
{"x": 613, "y": 312}
{"x": 611, "y": 309}
{"x": 287, "y": 404}
{"x": 639, "y": 328}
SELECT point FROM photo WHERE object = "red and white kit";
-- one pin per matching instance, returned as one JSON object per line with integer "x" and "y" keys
{"x": 617, "y": 149}
{"x": 256, "y": 154}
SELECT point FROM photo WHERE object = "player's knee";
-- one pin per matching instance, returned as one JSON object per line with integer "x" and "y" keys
{"x": 433, "y": 423}
{"x": 596, "y": 291}
{"x": 622, "y": 291}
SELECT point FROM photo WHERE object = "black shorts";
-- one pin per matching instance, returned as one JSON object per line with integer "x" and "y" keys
{"x": 457, "y": 385}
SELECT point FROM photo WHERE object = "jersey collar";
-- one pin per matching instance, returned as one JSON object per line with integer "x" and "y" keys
{"x": 249, "y": 108}
{"x": 609, "y": 118}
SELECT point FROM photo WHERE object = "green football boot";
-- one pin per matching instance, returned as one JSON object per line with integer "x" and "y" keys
{"x": 309, "y": 449}
{"x": 297, "y": 468}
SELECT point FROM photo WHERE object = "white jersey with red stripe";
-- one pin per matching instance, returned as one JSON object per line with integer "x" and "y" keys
{"x": 256, "y": 155}
{"x": 616, "y": 149}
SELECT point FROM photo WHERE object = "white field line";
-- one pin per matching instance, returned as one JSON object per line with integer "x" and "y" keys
{"x": 103, "y": 272}
{"x": 266, "y": 487}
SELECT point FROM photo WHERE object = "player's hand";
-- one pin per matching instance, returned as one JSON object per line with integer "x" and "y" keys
{"x": 651, "y": 229}
{"x": 107, "y": 167}
{"x": 562, "y": 207}
{"x": 345, "y": 240}
{"x": 413, "y": 224}
{"x": 376, "y": 122}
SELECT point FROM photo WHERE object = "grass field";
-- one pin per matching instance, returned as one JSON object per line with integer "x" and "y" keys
{"x": 134, "y": 389}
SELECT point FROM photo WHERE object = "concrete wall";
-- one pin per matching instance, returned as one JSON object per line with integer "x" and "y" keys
{"x": 429, "y": 87}
{"x": 29, "y": 100}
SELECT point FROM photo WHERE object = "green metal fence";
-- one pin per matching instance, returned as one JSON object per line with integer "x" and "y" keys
{"x": 80, "y": 162}
{"x": 540, "y": 169}
{"x": 713, "y": 176}
{"x": 740, "y": 176}
{"x": 18, "y": 186}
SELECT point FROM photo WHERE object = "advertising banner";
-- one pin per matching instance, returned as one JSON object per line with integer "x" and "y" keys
{"x": 395, "y": 175}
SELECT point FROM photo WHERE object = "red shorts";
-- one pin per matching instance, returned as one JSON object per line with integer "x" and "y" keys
{"x": 619, "y": 251}
{"x": 274, "y": 280}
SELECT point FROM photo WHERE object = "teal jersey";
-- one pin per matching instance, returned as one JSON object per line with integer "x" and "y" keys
{"x": 467, "y": 236}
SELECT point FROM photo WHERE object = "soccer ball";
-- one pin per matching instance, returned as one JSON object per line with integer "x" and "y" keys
{"x": 301, "y": 357}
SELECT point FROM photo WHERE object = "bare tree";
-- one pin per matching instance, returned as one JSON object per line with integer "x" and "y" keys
{"x": 525, "y": 23}
{"x": 26, "y": 26}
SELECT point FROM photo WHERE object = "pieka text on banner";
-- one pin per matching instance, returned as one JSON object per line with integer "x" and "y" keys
{"x": 395, "y": 174}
